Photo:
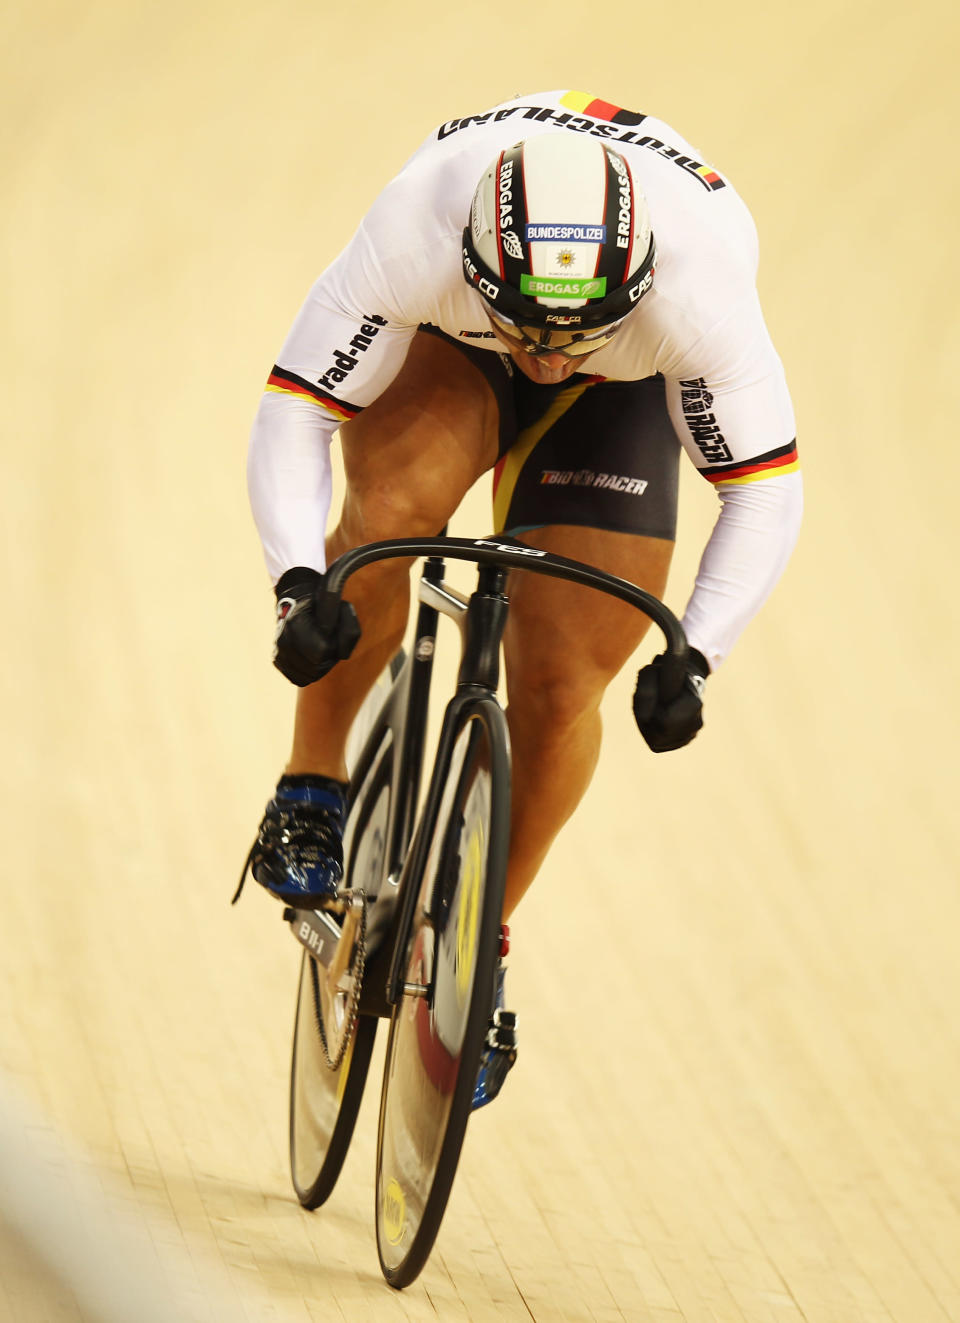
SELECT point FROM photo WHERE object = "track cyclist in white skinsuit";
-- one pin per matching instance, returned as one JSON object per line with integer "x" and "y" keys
{"x": 563, "y": 292}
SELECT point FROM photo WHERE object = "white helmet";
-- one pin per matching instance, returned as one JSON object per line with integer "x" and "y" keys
{"x": 559, "y": 236}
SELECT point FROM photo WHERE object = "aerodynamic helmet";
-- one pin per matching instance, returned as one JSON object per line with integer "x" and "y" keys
{"x": 559, "y": 237}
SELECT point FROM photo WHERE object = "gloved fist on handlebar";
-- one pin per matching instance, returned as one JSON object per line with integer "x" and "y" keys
{"x": 315, "y": 628}
{"x": 667, "y": 718}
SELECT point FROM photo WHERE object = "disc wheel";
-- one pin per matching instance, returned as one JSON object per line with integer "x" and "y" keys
{"x": 437, "y": 1031}
{"x": 324, "y": 1102}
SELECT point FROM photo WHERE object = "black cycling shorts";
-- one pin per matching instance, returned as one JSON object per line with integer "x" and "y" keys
{"x": 586, "y": 451}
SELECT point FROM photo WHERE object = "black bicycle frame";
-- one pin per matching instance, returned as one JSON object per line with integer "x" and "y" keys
{"x": 478, "y": 678}
{"x": 477, "y": 682}
{"x": 406, "y": 714}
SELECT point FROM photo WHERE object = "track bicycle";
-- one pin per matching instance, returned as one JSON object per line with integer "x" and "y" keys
{"x": 415, "y": 934}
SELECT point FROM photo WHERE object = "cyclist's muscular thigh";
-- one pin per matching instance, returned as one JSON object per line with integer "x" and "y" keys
{"x": 563, "y": 646}
{"x": 410, "y": 458}
{"x": 567, "y": 642}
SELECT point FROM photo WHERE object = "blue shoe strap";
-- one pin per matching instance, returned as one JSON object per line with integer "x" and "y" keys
{"x": 324, "y": 793}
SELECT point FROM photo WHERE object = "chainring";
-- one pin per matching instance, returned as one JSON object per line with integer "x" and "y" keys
{"x": 335, "y": 1014}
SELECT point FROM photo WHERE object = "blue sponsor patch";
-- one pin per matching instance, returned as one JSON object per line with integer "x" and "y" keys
{"x": 540, "y": 232}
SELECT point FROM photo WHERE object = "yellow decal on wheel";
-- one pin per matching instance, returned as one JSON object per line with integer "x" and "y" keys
{"x": 469, "y": 911}
{"x": 394, "y": 1211}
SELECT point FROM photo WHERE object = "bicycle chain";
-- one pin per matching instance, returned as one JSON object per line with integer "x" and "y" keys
{"x": 357, "y": 967}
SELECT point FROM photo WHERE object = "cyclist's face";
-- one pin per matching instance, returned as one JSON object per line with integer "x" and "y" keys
{"x": 544, "y": 369}
{"x": 537, "y": 361}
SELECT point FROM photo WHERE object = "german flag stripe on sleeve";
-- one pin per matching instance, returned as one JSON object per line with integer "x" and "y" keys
{"x": 585, "y": 104}
{"x": 709, "y": 176}
{"x": 282, "y": 382}
{"x": 774, "y": 463}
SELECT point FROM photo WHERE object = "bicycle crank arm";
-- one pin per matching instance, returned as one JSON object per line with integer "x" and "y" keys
{"x": 343, "y": 954}
{"x": 330, "y": 944}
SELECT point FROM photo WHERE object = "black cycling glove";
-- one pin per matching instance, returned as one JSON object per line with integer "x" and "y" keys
{"x": 315, "y": 628}
{"x": 669, "y": 721}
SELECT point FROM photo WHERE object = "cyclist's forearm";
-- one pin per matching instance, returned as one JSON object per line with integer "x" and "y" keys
{"x": 745, "y": 556}
{"x": 288, "y": 479}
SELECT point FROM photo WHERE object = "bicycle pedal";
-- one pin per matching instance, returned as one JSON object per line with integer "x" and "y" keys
{"x": 502, "y": 1034}
{"x": 340, "y": 904}
{"x": 333, "y": 907}
{"x": 497, "y": 1061}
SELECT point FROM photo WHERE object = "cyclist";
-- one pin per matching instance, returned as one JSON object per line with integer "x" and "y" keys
{"x": 571, "y": 322}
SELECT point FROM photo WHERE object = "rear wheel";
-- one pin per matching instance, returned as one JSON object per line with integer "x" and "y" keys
{"x": 324, "y": 1102}
{"x": 437, "y": 1031}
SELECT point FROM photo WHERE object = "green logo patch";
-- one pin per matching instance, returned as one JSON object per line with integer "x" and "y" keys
{"x": 563, "y": 287}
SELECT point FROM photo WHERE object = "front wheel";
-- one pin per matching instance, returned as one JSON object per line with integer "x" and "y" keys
{"x": 437, "y": 1030}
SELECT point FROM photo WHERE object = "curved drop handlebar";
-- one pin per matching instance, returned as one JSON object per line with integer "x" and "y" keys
{"x": 516, "y": 556}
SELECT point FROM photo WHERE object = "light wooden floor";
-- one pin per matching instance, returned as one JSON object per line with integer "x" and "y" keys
{"x": 737, "y": 1100}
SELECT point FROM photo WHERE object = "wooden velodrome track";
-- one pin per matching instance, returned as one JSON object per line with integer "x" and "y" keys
{"x": 737, "y": 1100}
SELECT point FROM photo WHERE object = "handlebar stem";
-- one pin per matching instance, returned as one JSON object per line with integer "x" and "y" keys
{"x": 485, "y": 621}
